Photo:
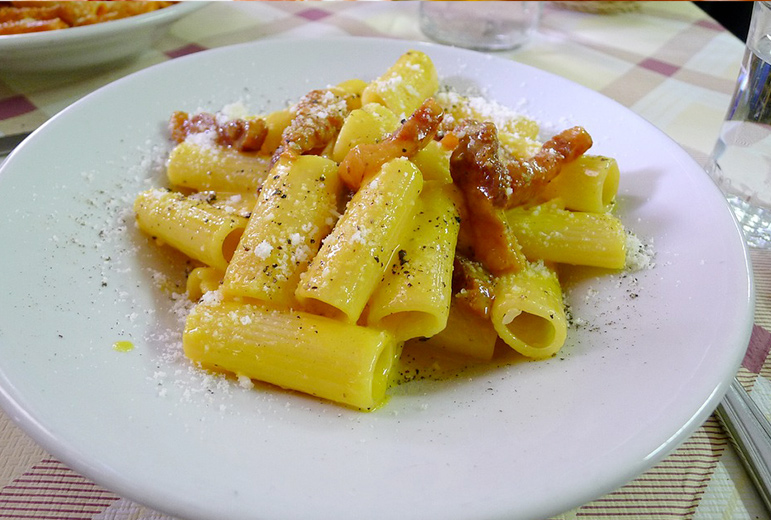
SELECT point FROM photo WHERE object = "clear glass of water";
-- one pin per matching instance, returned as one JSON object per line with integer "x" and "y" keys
{"x": 486, "y": 26}
{"x": 741, "y": 160}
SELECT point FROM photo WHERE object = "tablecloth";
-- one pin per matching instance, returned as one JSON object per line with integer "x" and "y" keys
{"x": 666, "y": 61}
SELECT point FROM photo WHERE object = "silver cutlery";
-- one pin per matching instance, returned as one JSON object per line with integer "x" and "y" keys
{"x": 9, "y": 142}
{"x": 750, "y": 433}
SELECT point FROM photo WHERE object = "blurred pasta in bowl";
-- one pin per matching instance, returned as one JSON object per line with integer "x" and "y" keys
{"x": 41, "y": 36}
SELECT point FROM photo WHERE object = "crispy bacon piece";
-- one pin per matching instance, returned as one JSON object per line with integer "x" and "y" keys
{"x": 491, "y": 185}
{"x": 476, "y": 161}
{"x": 530, "y": 176}
{"x": 318, "y": 117}
{"x": 492, "y": 240}
{"x": 473, "y": 286}
{"x": 243, "y": 135}
{"x": 364, "y": 160}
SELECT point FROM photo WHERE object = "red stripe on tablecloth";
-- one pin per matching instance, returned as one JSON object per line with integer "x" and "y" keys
{"x": 312, "y": 14}
{"x": 709, "y": 24}
{"x": 43, "y": 488}
{"x": 662, "y": 67}
{"x": 645, "y": 514}
{"x": 664, "y": 502}
{"x": 52, "y": 515}
{"x": 75, "y": 479}
{"x": 185, "y": 50}
{"x": 58, "y": 509}
{"x": 650, "y": 479}
{"x": 38, "y": 516}
{"x": 50, "y": 490}
{"x": 691, "y": 455}
{"x": 9, "y": 491}
{"x": 650, "y": 483}
{"x": 15, "y": 106}
{"x": 64, "y": 499}
{"x": 758, "y": 349}
{"x": 681, "y": 472}
{"x": 646, "y": 492}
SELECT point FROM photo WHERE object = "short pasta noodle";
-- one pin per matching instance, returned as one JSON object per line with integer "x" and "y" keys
{"x": 528, "y": 313}
{"x": 198, "y": 165}
{"x": 413, "y": 299}
{"x": 342, "y": 277}
{"x": 193, "y": 226}
{"x": 293, "y": 350}
{"x": 405, "y": 85}
{"x": 295, "y": 211}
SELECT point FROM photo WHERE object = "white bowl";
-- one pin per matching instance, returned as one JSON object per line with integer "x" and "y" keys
{"x": 89, "y": 45}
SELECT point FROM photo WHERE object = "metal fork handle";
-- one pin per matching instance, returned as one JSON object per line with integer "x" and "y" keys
{"x": 750, "y": 432}
{"x": 9, "y": 142}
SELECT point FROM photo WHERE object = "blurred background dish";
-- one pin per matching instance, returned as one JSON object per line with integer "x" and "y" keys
{"x": 89, "y": 45}
{"x": 599, "y": 7}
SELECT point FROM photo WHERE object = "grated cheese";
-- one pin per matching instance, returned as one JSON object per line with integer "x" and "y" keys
{"x": 263, "y": 249}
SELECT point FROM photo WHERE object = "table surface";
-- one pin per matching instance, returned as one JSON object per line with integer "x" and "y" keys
{"x": 667, "y": 61}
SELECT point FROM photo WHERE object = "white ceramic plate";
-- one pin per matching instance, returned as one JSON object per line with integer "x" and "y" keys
{"x": 525, "y": 441}
{"x": 89, "y": 45}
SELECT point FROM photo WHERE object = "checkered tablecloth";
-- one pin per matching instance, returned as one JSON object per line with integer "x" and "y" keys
{"x": 666, "y": 61}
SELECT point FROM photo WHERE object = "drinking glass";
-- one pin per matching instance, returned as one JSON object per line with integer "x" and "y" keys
{"x": 741, "y": 160}
{"x": 483, "y": 26}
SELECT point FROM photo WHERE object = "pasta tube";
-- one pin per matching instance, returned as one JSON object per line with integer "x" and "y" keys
{"x": 528, "y": 313}
{"x": 326, "y": 358}
{"x": 434, "y": 162}
{"x": 368, "y": 124}
{"x": 204, "y": 166}
{"x": 413, "y": 300}
{"x": 202, "y": 280}
{"x": 405, "y": 85}
{"x": 354, "y": 257}
{"x": 191, "y": 225}
{"x": 589, "y": 183}
{"x": 466, "y": 333}
{"x": 275, "y": 122}
{"x": 296, "y": 209}
{"x": 508, "y": 122}
{"x": 354, "y": 88}
{"x": 231, "y": 203}
{"x": 557, "y": 235}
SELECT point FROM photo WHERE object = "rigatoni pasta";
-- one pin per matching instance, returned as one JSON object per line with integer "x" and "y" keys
{"x": 293, "y": 350}
{"x": 551, "y": 233}
{"x": 193, "y": 226}
{"x": 528, "y": 313}
{"x": 296, "y": 209}
{"x": 202, "y": 280}
{"x": 371, "y": 214}
{"x": 413, "y": 298}
{"x": 589, "y": 183}
{"x": 466, "y": 333}
{"x": 199, "y": 165}
{"x": 342, "y": 277}
{"x": 367, "y": 124}
{"x": 405, "y": 85}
